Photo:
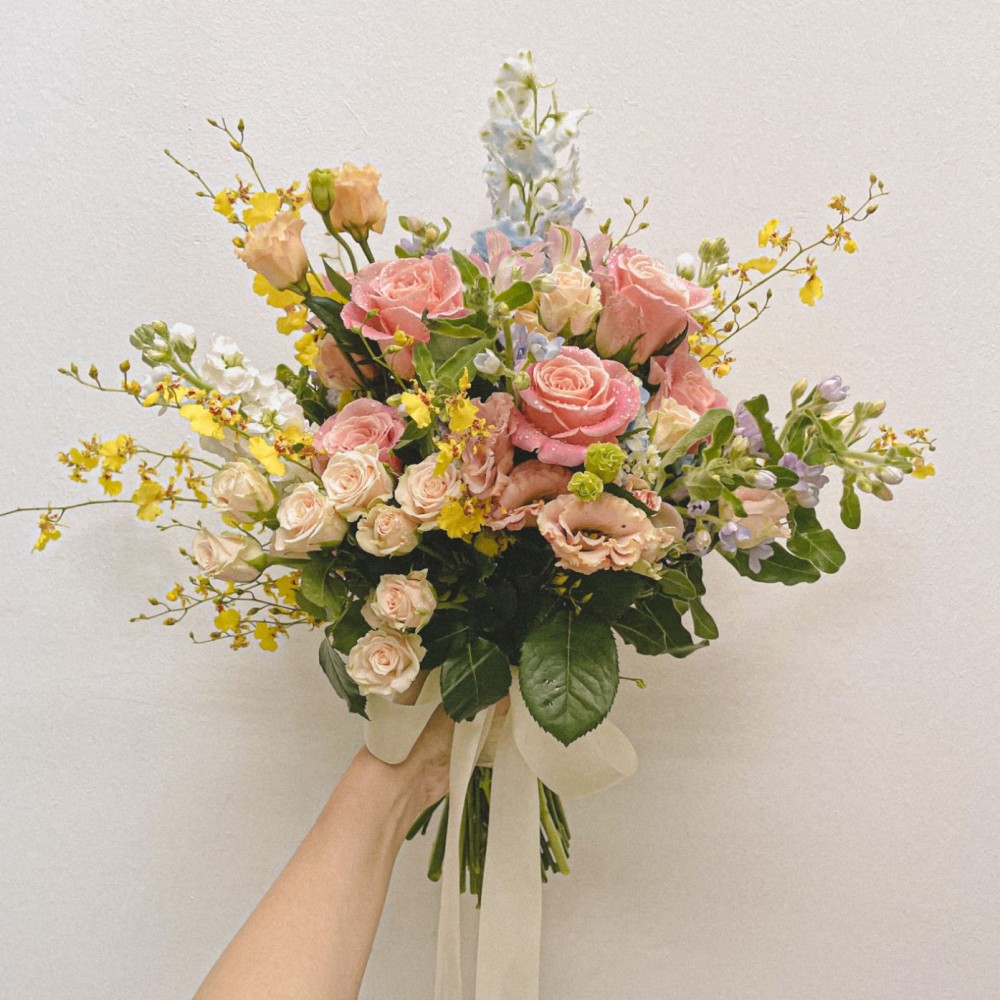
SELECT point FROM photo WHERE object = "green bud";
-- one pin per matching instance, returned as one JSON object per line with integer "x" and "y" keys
{"x": 585, "y": 485}
{"x": 321, "y": 189}
{"x": 876, "y": 409}
{"x": 798, "y": 390}
{"x": 521, "y": 380}
{"x": 604, "y": 461}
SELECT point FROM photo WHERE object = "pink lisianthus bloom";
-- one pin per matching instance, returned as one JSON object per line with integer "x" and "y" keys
{"x": 574, "y": 400}
{"x": 530, "y": 484}
{"x": 487, "y": 460}
{"x": 606, "y": 533}
{"x": 643, "y": 299}
{"x": 362, "y": 421}
{"x": 399, "y": 292}
{"x": 681, "y": 378}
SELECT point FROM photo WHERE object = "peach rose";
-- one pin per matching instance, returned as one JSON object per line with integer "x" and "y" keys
{"x": 362, "y": 421}
{"x": 274, "y": 249}
{"x": 670, "y": 421}
{"x": 400, "y": 292}
{"x": 606, "y": 533}
{"x": 387, "y": 531}
{"x": 240, "y": 489}
{"x": 529, "y": 486}
{"x": 400, "y": 602}
{"x": 334, "y": 370}
{"x": 574, "y": 400}
{"x": 385, "y": 662}
{"x": 355, "y": 480}
{"x": 643, "y": 299}
{"x": 571, "y": 305}
{"x": 422, "y": 493}
{"x": 487, "y": 461}
{"x": 765, "y": 510}
{"x": 357, "y": 206}
{"x": 307, "y": 520}
{"x": 226, "y": 556}
{"x": 681, "y": 378}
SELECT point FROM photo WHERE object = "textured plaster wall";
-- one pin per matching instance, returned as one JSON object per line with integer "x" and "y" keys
{"x": 816, "y": 811}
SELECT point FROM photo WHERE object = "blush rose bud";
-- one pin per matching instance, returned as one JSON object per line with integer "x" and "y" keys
{"x": 274, "y": 250}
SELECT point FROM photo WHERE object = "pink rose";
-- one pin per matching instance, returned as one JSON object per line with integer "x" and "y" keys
{"x": 682, "y": 379}
{"x": 528, "y": 487}
{"x": 362, "y": 421}
{"x": 606, "y": 533}
{"x": 399, "y": 292}
{"x": 487, "y": 461}
{"x": 643, "y": 299}
{"x": 574, "y": 400}
{"x": 333, "y": 368}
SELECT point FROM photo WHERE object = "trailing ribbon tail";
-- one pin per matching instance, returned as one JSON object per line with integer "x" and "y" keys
{"x": 511, "y": 918}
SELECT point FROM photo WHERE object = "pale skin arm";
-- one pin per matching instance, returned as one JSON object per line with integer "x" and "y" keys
{"x": 312, "y": 933}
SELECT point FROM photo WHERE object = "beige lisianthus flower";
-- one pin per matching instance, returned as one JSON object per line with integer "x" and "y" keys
{"x": 274, "y": 249}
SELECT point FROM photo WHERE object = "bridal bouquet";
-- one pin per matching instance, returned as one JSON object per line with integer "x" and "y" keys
{"x": 485, "y": 461}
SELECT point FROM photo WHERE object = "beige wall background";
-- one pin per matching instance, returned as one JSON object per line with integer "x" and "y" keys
{"x": 816, "y": 813}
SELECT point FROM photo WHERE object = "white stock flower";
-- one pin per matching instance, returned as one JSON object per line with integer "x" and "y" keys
{"x": 225, "y": 368}
{"x": 385, "y": 662}
{"x": 271, "y": 406}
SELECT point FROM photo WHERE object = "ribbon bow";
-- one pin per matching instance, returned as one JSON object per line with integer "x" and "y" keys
{"x": 521, "y": 753}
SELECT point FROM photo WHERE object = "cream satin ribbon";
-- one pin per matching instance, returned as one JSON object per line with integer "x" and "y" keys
{"x": 521, "y": 753}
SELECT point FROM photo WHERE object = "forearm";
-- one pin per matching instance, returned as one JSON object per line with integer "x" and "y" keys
{"x": 311, "y": 935}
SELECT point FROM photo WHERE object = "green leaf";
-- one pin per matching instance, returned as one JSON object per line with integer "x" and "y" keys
{"x": 569, "y": 674}
{"x": 449, "y": 373}
{"x": 474, "y": 676}
{"x": 676, "y": 584}
{"x": 717, "y": 424}
{"x": 812, "y": 541}
{"x": 608, "y": 594}
{"x": 654, "y": 627}
{"x": 351, "y": 627}
{"x": 757, "y": 407}
{"x": 336, "y": 673}
{"x": 423, "y": 363}
{"x": 782, "y": 567}
{"x": 308, "y": 607}
{"x": 519, "y": 294}
{"x": 322, "y": 586}
{"x": 850, "y": 506}
{"x": 784, "y": 478}
{"x": 340, "y": 284}
{"x": 326, "y": 309}
{"x": 704, "y": 623}
{"x": 469, "y": 272}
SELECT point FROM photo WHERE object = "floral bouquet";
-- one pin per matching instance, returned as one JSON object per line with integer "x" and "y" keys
{"x": 485, "y": 463}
